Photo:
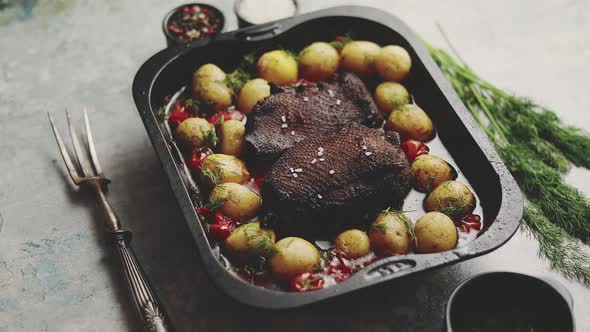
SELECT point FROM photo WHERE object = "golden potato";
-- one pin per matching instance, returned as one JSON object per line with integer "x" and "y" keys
{"x": 435, "y": 232}
{"x": 452, "y": 198}
{"x": 429, "y": 171}
{"x": 210, "y": 72}
{"x": 391, "y": 95}
{"x": 222, "y": 168}
{"x": 231, "y": 133}
{"x": 358, "y": 57}
{"x": 279, "y": 67}
{"x": 236, "y": 201}
{"x": 209, "y": 86}
{"x": 393, "y": 63}
{"x": 253, "y": 91}
{"x": 250, "y": 240}
{"x": 353, "y": 243}
{"x": 292, "y": 256}
{"x": 411, "y": 122}
{"x": 318, "y": 61}
{"x": 391, "y": 234}
{"x": 196, "y": 133}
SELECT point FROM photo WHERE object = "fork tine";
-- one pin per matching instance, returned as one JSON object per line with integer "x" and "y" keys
{"x": 91, "y": 148}
{"x": 81, "y": 161}
{"x": 64, "y": 153}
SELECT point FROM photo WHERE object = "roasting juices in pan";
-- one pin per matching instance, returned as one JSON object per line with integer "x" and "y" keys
{"x": 316, "y": 163}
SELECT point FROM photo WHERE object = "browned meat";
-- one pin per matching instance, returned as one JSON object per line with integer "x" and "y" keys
{"x": 289, "y": 116}
{"x": 335, "y": 179}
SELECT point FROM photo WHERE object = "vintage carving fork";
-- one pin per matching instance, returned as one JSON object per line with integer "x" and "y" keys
{"x": 144, "y": 296}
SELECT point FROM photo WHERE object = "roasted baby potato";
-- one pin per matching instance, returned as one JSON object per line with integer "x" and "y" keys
{"x": 393, "y": 63}
{"x": 209, "y": 86}
{"x": 231, "y": 133}
{"x": 235, "y": 201}
{"x": 250, "y": 241}
{"x": 318, "y": 61}
{"x": 452, "y": 198}
{"x": 435, "y": 232}
{"x": 278, "y": 67}
{"x": 292, "y": 256}
{"x": 391, "y": 95}
{"x": 222, "y": 168}
{"x": 429, "y": 171}
{"x": 411, "y": 122}
{"x": 390, "y": 234}
{"x": 253, "y": 91}
{"x": 358, "y": 57}
{"x": 353, "y": 243}
{"x": 196, "y": 133}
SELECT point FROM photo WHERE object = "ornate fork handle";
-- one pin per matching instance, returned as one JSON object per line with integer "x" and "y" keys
{"x": 146, "y": 302}
{"x": 143, "y": 296}
{"x": 91, "y": 176}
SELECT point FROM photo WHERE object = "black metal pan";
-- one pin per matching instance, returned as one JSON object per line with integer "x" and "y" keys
{"x": 167, "y": 72}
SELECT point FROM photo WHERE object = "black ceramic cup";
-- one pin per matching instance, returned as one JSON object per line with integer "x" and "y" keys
{"x": 508, "y": 301}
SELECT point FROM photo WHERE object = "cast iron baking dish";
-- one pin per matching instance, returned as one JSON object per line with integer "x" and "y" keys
{"x": 167, "y": 72}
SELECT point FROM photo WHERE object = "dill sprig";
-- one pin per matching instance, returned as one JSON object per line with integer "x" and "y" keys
{"x": 537, "y": 148}
{"x": 563, "y": 252}
{"x": 243, "y": 72}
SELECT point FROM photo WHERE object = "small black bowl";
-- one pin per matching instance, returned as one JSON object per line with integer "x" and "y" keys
{"x": 172, "y": 40}
{"x": 508, "y": 301}
{"x": 242, "y": 22}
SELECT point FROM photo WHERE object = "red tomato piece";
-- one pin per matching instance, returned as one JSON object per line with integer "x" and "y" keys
{"x": 215, "y": 119}
{"x": 413, "y": 148}
{"x": 179, "y": 113}
{"x": 470, "y": 222}
{"x": 196, "y": 158}
{"x": 204, "y": 211}
{"x": 305, "y": 282}
{"x": 221, "y": 227}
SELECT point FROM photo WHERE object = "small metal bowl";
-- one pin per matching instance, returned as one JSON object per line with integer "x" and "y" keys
{"x": 242, "y": 22}
{"x": 172, "y": 40}
{"x": 508, "y": 301}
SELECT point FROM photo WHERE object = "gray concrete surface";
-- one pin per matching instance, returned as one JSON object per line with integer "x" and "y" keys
{"x": 55, "y": 271}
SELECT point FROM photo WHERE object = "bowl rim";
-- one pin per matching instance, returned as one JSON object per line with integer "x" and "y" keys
{"x": 552, "y": 285}
{"x": 248, "y": 23}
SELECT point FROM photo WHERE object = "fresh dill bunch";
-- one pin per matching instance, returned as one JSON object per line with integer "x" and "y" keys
{"x": 563, "y": 252}
{"x": 572, "y": 141}
{"x": 543, "y": 185}
{"x": 537, "y": 148}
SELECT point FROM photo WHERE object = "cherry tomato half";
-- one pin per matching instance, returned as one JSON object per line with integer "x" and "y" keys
{"x": 179, "y": 113}
{"x": 413, "y": 148}
{"x": 215, "y": 119}
{"x": 470, "y": 222}
{"x": 196, "y": 158}
{"x": 305, "y": 282}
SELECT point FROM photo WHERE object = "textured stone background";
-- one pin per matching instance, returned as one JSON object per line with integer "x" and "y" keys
{"x": 55, "y": 271}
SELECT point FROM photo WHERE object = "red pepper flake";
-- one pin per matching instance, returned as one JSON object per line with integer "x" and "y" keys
{"x": 306, "y": 282}
{"x": 196, "y": 158}
{"x": 413, "y": 148}
{"x": 175, "y": 29}
{"x": 470, "y": 222}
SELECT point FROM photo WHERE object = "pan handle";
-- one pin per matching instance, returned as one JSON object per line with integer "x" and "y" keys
{"x": 387, "y": 269}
